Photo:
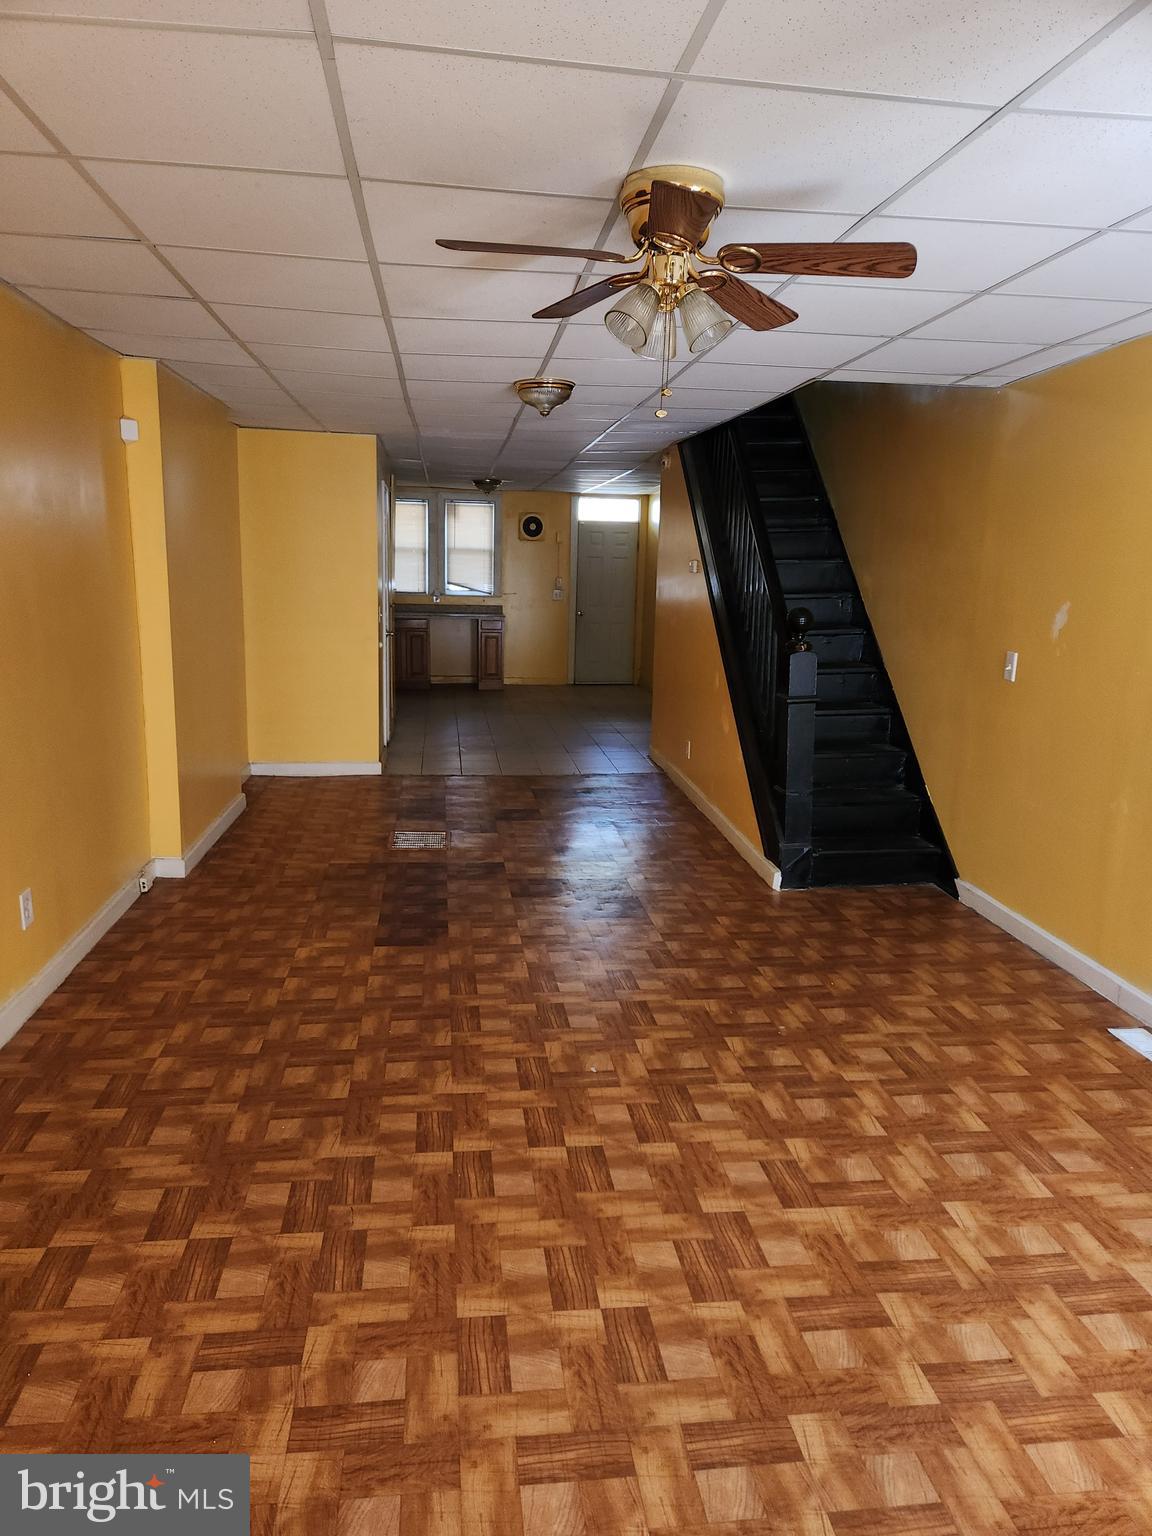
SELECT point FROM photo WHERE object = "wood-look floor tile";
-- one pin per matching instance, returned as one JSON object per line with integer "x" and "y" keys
{"x": 569, "y": 1182}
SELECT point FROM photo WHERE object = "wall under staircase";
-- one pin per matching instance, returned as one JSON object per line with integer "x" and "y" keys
{"x": 838, "y": 792}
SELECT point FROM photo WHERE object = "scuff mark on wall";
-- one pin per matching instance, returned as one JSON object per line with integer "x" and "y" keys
{"x": 1060, "y": 620}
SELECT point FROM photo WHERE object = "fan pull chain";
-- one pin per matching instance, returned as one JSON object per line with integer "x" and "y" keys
{"x": 666, "y": 365}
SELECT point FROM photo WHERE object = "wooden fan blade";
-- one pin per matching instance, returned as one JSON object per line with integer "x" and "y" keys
{"x": 584, "y": 298}
{"x": 678, "y": 214}
{"x": 747, "y": 304}
{"x": 496, "y": 246}
{"x": 893, "y": 258}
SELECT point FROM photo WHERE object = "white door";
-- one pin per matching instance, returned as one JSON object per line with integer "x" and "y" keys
{"x": 605, "y": 601}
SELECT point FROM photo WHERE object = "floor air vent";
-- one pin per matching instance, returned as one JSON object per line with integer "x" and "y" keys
{"x": 419, "y": 839}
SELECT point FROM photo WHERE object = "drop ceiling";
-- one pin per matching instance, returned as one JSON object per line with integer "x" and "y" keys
{"x": 250, "y": 190}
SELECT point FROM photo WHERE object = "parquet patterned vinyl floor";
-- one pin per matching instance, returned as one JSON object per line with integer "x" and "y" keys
{"x": 570, "y": 1183}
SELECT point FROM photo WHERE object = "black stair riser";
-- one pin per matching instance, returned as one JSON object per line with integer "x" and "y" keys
{"x": 832, "y": 867}
{"x": 850, "y": 769}
{"x": 835, "y": 649}
{"x": 836, "y": 686}
{"x": 897, "y": 814}
{"x": 815, "y": 576}
{"x": 816, "y": 543}
{"x": 844, "y": 726}
{"x": 836, "y": 608}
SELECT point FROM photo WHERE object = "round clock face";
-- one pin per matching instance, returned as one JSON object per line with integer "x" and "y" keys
{"x": 532, "y": 527}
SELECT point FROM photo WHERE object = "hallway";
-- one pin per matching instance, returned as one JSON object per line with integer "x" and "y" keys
{"x": 519, "y": 730}
{"x": 569, "y": 1182}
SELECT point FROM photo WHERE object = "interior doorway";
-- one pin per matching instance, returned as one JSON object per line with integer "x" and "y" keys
{"x": 607, "y": 541}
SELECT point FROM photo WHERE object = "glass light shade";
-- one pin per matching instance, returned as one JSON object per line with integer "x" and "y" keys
{"x": 662, "y": 336}
{"x": 705, "y": 323}
{"x": 544, "y": 395}
{"x": 630, "y": 318}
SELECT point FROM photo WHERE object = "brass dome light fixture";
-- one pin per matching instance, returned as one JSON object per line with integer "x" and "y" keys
{"x": 487, "y": 484}
{"x": 544, "y": 395}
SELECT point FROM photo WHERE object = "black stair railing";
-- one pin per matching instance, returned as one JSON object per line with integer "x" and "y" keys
{"x": 771, "y": 673}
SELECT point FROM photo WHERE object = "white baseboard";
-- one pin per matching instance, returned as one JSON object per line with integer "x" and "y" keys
{"x": 22, "y": 1005}
{"x": 315, "y": 770}
{"x": 176, "y": 869}
{"x": 747, "y": 850}
{"x": 1074, "y": 961}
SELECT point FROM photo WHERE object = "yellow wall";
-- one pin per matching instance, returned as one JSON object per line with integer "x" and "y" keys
{"x": 536, "y": 628}
{"x": 982, "y": 521}
{"x": 204, "y": 590}
{"x": 73, "y": 806}
{"x": 689, "y": 690}
{"x": 646, "y": 589}
{"x": 308, "y": 518}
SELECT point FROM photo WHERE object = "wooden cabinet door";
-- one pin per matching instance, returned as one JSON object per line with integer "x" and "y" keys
{"x": 490, "y": 653}
{"x": 413, "y": 655}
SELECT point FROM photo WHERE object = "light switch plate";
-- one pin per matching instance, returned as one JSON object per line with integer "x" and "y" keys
{"x": 1010, "y": 660}
{"x": 129, "y": 430}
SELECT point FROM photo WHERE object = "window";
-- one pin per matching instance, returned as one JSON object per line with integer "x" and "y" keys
{"x": 410, "y": 566}
{"x": 608, "y": 509}
{"x": 447, "y": 542}
{"x": 470, "y": 547}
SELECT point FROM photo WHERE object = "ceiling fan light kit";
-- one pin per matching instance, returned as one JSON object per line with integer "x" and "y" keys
{"x": 670, "y": 210}
{"x": 544, "y": 395}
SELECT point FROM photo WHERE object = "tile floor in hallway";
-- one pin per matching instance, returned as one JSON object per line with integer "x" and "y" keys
{"x": 569, "y": 1182}
{"x": 521, "y": 730}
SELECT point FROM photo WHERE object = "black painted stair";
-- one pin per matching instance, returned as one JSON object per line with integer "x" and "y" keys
{"x": 872, "y": 820}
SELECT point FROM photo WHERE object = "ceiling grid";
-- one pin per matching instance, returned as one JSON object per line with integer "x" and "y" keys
{"x": 250, "y": 190}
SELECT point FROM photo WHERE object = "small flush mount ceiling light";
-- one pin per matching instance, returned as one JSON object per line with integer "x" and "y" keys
{"x": 487, "y": 485}
{"x": 544, "y": 395}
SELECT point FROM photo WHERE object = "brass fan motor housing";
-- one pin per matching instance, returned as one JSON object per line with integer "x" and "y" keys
{"x": 637, "y": 189}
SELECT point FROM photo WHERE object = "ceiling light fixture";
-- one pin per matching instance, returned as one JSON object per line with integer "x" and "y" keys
{"x": 544, "y": 395}
{"x": 487, "y": 485}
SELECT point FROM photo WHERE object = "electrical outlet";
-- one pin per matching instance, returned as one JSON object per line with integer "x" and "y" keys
{"x": 145, "y": 882}
{"x": 688, "y": 750}
{"x": 27, "y": 914}
{"x": 1010, "y": 660}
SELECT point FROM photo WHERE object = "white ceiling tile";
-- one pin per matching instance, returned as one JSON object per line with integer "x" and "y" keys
{"x": 946, "y": 356}
{"x": 474, "y": 393}
{"x": 107, "y": 266}
{"x": 1041, "y": 362}
{"x": 228, "y": 380}
{"x": 688, "y": 398}
{"x": 43, "y": 196}
{"x": 486, "y": 369}
{"x": 306, "y": 328}
{"x": 174, "y": 349}
{"x": 479, "y": 339}
{"x": 622, "y": 370}
{"x": 646, "y": 34}
{"x": 236, "y": 210}
{"x": 623, "y": 395}
{"x": 591, "y": 340}
{"x": 1042, "y": 170}
{"x": 254, "y": 15}
{"x": 280, "y": 282}
{"x": 147, "y": 94}
{"x": 408, "y": 220}
{"x": 983, "y": 51}
{"x": 966, "y": 257}
{"x": 1143, "y": 221}
{"x": 788, "y": 348}
{"x": 761, "y": 380}
{"x": 381, "y": 365}
{"x": 520, "y": 126}
{"x": 1116, "y": 266}
{"x": 343, "y": 385}
{"x": 17, "y": 133}
{"x": 470, "y": 293}
{"x": 793, "y": 148}
{"x": 124, "y": 312}
{"x": 874, "y": 376}
{"x": 1127, "y": 330}
{"x": 851, "y": 309}
{"x": 283, "y": 419}
{"x": 736, "y": 225}
{"x": 1112, "y": 77}
{"x": 1012, "y": 317}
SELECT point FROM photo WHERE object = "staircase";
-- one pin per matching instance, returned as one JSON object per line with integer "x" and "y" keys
{"x": 846, "y": 804}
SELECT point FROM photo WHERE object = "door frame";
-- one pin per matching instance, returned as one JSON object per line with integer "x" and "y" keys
{"x": 573, "y": 594}
{"x": 387, "y": 669}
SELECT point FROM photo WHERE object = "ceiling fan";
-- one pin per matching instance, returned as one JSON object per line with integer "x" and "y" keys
{"x": 670, "y": 209}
